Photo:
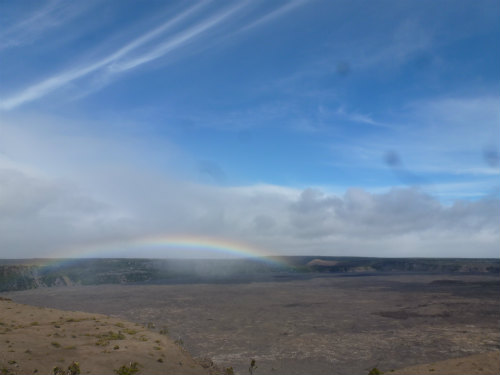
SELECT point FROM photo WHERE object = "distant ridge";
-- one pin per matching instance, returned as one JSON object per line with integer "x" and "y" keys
{"x": 35, "y": 273}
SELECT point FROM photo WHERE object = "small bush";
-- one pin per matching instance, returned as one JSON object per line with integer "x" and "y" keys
{"x": 55, "y": 344}
{"x": 74, "y": 369}
{"x": 6, "y": 371}
{"x": 229, "y": 371}
{"x": 105, "y": 338}
{"x": 375, "y": 371}
{"x": 253, "y": 366}
{"x": 131, "y": 369}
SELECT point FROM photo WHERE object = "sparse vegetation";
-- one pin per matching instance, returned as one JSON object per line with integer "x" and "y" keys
{"x": 253, "y": 366}
{"x": 55, "y": 344}
{"x": 375, "y": 371}
{"x": 6, "y": 371}
{"x": 73, "y": 369}
{"x": 131, "y": 369}
{"x": 105, "y": 338}
{"x": 228, "y": 371}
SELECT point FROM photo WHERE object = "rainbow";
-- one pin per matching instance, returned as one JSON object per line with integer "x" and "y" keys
{"x": 167, "y": 246}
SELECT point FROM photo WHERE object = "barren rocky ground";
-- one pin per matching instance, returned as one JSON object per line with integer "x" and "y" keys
{"x": 325, "y": 324}
{"x": 35, "y": 340}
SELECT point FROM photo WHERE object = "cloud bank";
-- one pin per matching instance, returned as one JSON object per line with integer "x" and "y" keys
{"x": 40, "y": 217}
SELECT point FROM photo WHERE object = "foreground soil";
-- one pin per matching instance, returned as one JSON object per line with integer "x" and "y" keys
{"x": 484, "y": 363}
{"x": 35, "y": 340}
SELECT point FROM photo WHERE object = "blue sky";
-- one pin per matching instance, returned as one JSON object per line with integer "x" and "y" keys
{"x": 300, "y": 127}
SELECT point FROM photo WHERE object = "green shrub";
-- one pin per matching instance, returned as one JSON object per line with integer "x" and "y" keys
{"x": 74, "y": 369}
{"x": 375, "y": 371}
{"x": 105, "y": 338}
{"x": 131, "y": 369}
{"x": 253, "y": 366}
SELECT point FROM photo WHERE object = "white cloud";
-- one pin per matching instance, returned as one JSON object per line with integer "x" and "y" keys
{"x": 399, "y": 222}
{"x": 68, "y": 188}
{"x": 174, "y": 34}
{"x": 50, "y": 15}
{"x": 451, "y": 135}
{"x": 38, "y": 215}
{"x": 63, "y": 78}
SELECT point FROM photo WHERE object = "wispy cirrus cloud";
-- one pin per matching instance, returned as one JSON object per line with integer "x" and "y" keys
{"x": 273, "y": 15}
{"x": 175, "y": 42}
{"x": 157, "y": 43}
{"x": 63, "y": 78}
{"x": 49, "y": 16}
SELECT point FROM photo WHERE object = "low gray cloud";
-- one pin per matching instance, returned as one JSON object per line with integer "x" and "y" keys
{"x": 39, "y": 215}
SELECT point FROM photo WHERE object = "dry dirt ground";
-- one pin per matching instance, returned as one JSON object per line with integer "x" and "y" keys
{"x": 484, "y": 363}
{"x": 299, "y": 325}
{"x": 34, "y": 340}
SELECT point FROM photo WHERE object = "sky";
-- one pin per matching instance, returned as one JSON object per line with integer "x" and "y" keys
{"x": 343, "y": 128}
